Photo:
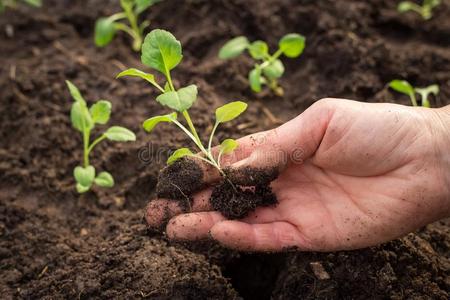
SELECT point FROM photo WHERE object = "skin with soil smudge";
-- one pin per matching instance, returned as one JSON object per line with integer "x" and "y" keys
{"x": 55, "y": 244}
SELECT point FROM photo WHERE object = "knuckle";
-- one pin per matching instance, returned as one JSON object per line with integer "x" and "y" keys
{"x": 324, "y": 103}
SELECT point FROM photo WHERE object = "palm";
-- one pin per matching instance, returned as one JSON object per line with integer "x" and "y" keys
{"x": 327, "y": 207}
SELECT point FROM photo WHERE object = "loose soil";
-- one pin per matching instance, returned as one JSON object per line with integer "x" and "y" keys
{"x": 234, "y": 194}
{"x": 55, "y": 243}
{"x": 235, "y": 202}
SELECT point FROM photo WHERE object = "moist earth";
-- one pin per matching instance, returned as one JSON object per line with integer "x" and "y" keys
{"x": 235, "y": 194}
{"x": 55, "y": 243}
{"x": 235, "y": 202}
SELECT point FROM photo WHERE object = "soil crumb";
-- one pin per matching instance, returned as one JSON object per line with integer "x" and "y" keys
{"x": 179, "y": 180}
{"x": 249, "y": 176}
{"x": 235, "y": 202}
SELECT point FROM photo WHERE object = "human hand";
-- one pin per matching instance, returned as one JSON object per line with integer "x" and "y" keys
{"x": 352, "y": 175}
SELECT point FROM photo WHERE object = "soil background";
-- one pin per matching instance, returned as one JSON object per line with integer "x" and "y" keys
{"x": 56, "y": 244}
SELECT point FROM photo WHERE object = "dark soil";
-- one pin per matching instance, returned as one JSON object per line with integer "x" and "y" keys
{"x": 235, "y": 195}
{"x": 180, "y": 180}
{"x": 235, "y": 202}
{"x": 55, "y": 243}
{"x": 248, "y": 176}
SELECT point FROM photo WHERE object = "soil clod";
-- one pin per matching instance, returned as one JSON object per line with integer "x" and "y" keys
{"x": 180, "y": 180}
{"x": 235, "y": 202}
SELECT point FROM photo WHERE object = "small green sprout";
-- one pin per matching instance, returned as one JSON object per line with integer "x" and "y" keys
{"x": 404, "y": 87}
{"x": 84, "y": 120}
{"x": 13, "y": 3}
{"x": 106, "y": 28}
{"x": 162, "y": 52}
{"x": 270, "y": 68}
{"x": 425, "y": 10}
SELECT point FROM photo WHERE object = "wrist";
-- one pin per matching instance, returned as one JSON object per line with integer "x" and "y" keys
{"x": 442, "y": 124}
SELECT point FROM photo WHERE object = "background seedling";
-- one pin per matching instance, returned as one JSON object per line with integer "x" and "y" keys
{"x": 425, "y": 10}
{"x": 106, "y": 28}
{"x": 13, "y": 3}
{"x": 162, "y": 52}
{"x": 404, "y": 87}
{"x": 84, "y": 120}
{"x": 269, "y": 67}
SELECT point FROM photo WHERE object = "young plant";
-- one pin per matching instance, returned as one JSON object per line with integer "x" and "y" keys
{"x": 106, "y": 28}
{"x": 425, "y": 10}
{"x": 162, "y": 52}
{"x": 84, "y": 120}
{"x": 268, "y": 67}
{"x": 13, "y": 3}
{"x": 404, "y": 87}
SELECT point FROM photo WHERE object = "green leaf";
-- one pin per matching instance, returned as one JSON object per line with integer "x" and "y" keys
{"x": 161, "y": 51}
{"x": 274, "y": 70}
{"x": 79, "y": 113}
{"x": 36, "y": 3}
{"x": 402, "y": 86}
{"x": 432, "y": 89}
{"x": 233, "y": 47}
{"x": 84, "y": 176}
{"x": 180, "y": 153}
{"x": 258, "y": 49}
{"x": 80, "y": 117}
{"x": 104, "y": 179}
{"x": 405, "y": 6}
{"x": 425, "y": 92}
{"x": 127, "y": 4}
{"x": 180, "y": 100}
{"x": 150, "y": 124}
{"x": 138, "y": 73}
{"x": 228, "y": 146}
{"x": 167, "y": 87}
{"x": 431, "y": 3}
{"x": 142, "y": 5}
{"x": 81, "y": 188}
{"x": 100, "y": 111}
{"x": 119, "y": 134}
{"x": 292, "y": 44}
{"x": 230, "y": 111}
{"x": 76, "y": 95}
{"x": 254, "y": 77}
{"x": 143, "y": 25}
{"x": 104, "y": 31}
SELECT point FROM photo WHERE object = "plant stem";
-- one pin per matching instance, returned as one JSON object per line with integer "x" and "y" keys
{"x": 271, "y": 59}
{"x": 132, "y": 19}
{"x": 169, "y": 80}
{"x": 188, "y": 133}
{"x": 98, "y": 140}
{"x": 192, "y": 128}
{"x": 86, "y": 134}
{"x": 213, "y": 131}
{"x": 413, "y": 99}
{"x": 126, "y": 29}
{"x": 117, "y": 16}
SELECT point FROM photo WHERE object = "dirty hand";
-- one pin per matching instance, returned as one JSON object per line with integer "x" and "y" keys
{"x": 352, "y": 175}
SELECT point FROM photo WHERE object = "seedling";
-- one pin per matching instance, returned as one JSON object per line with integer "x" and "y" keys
{"x": 106, "y": 28}
{"x": 13, "y": 3}
{"x": 268, "y": 67}
{"x": 84, "y": 120}
{"x": 162, "y": 52}
{"x": 425, "y": 10}
{"x": 404, "y": 87}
